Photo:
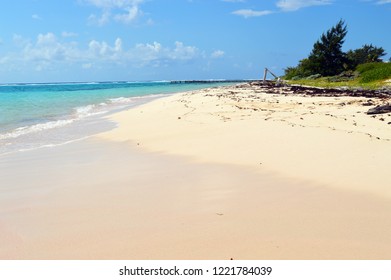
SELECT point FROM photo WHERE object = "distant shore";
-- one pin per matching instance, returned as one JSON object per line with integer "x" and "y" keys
{"x": 227, "y": 172}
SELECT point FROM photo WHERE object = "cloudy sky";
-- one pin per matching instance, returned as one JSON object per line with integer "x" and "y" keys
{"x": 101, "y": 40}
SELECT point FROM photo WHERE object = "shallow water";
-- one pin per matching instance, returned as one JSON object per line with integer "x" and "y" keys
{"x": 39, "y": 115}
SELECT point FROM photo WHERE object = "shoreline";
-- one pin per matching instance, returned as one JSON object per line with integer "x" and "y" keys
{"x": 203, "y": 175}
{"x": 78, "y": 111}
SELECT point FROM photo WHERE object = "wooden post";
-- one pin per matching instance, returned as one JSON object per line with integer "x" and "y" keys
{"x": 264, "y": 75}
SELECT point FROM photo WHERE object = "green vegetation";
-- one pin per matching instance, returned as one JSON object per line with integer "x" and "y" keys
{"x": 376, "y": 71}
{"x": 366, "y": 54}
{"x": 369, "y": 75}
{"x": 327, "y": 65}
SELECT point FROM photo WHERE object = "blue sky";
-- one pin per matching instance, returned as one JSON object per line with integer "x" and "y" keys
{"x": 100, "y": 40}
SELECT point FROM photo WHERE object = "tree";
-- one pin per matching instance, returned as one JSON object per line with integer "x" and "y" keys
{"x": 299, "y": 71}
{"x": 365, "y": 54}
{"x": 327, "y": 57}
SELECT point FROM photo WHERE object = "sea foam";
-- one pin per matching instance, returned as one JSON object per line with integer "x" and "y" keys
{"x": 34, "y": 128}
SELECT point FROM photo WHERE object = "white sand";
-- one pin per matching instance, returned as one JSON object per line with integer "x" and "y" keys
{"x": 326, "y": 140}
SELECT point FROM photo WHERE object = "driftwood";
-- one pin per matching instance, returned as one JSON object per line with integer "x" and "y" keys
{"x": 265, "y": 75}
{"x": 381, "y": 109}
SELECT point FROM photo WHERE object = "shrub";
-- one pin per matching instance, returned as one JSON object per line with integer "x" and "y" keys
{"x": 365, "y": 54}
{"x": 376, "y": 71}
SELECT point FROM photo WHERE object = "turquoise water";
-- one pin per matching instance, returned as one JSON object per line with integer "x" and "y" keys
{"x": 37, "y": 115}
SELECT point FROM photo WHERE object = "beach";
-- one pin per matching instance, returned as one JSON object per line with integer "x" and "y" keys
{"x": 219, "y": 173}
{"x": 328, "y": 140}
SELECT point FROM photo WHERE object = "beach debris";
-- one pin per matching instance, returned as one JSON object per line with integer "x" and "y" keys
{"x": 368, "y": 103}
{"x": 270, "y": 87}
{"x": 380, "y": 109}
{"x": 278, "y": 79}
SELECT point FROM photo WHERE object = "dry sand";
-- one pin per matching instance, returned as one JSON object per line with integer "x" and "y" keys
{"x": 325, "y": 140}
{"x": 213, "y": 174}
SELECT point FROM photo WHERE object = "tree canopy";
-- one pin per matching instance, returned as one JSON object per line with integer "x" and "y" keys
{"x": 365, "y": 54}
{"x": 328, "y": 59}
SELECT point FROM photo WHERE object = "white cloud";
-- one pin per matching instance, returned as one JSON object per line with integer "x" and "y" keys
{"x": 294, "y": 5}
{"x": 156, "y": 55}
{"x": 234, "y": 1}
{"x": 384, "y": 2}
{"x": 150, "y": 22}
{"x": 48, "y": 50}
{"x": 148, "y": 54}
{"x": 131, "y": 14}
{"x": 247, "y": 13}
{"x": 66, "y": 34}
{"x": 4, "y": 60}
{"x": 19, "y": 41}
{"x": 285, "y": 6}
{"x": 182, "y": 52}
{"x": 218, "y": 54}
{"x": 99, "y": 20}
{"x": 109, "y": 4}
{"x": 36, "y": 17}
{"x": 87, "y": 65}
{"x": 125, "y": 11}
{"x": 104, "y": 52}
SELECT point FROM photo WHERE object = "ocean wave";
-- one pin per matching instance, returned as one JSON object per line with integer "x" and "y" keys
{"x": 128, "y": 100}
{"x": 79, "y": 113}
{"x": 90, "y": 110}
{"x": 151, "y": 96}
{"x": 161, "y": 81}
{"x": 121, "y": 100}
{"x": 34, "y": 128}
{"x": 85, "y": 110}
